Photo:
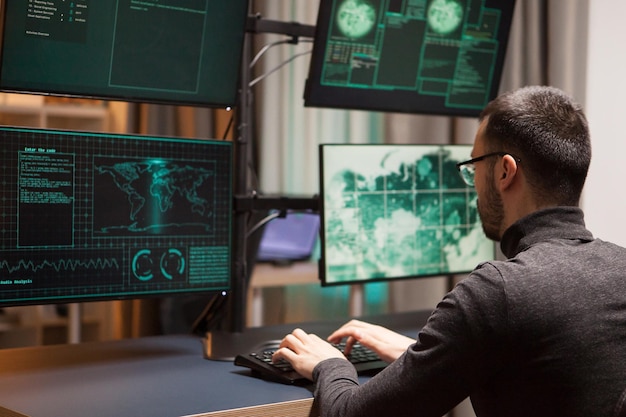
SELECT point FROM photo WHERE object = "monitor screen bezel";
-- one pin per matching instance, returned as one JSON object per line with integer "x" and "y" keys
{"x": 222, "y": 289}
{"x": 323, "y": 276}
{"x": 318, "y": 95}
{"x": 83, "y": 92}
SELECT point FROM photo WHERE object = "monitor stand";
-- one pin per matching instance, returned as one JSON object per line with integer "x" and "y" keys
{"x": 221, "y": 345}
{"x": 224, "y": 345}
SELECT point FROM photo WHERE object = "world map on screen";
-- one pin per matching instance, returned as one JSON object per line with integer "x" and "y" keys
{"x": 156, "y": 197}
{"x": 398, "y": 212}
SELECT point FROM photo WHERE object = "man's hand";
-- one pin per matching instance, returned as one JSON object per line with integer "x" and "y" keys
{"x": 388, "y": 344}
{"x": 304, "y": 351}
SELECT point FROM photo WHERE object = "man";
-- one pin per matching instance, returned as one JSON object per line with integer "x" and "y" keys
{"x": 540, "y": 334}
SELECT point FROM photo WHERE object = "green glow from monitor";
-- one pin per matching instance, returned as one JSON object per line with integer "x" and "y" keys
{"x": 397, "y": 211}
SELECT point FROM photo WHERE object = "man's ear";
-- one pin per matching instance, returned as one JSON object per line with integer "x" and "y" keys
{"x": 508, "y": 171}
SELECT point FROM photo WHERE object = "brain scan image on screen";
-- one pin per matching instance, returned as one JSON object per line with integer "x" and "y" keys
{"x": 356, "y": 18}
{"x": 441, "y": 57}
{"x": 398, "y": 212}
{"x": 445, "y": 16}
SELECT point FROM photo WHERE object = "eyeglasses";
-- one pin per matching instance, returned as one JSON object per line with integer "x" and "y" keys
{"x": 467, "y": 169}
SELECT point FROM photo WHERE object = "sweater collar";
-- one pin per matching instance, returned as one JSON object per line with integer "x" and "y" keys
{"x": 552, "y": 223}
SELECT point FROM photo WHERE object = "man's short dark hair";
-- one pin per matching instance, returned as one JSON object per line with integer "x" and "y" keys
{"x": 548, "y": 131}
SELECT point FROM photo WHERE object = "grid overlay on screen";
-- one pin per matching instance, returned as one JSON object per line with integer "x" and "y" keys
{"x": 397, "y": 211}
{"x": 98, "y": 216}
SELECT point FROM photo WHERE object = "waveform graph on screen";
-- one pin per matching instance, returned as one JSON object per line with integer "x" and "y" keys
{"x": 91, "y": 216}
{"x": 397, "y": 211}
{"x": 52, "y": 273}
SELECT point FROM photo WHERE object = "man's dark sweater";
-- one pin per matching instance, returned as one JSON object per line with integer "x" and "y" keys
{"x": 541, "y": 334}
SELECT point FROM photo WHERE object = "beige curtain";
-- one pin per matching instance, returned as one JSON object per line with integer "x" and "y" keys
{"x": 547, "y": 46}
{"x": 288, "y": 133}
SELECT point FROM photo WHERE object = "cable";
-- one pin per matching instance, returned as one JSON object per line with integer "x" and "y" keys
{"x": 262, "y": 77}
{"x": 262, "y": 223}
{"x": 264, "y": 50}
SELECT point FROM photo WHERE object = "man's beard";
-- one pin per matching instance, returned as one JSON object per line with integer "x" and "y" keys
{"x": 491, "y": 211}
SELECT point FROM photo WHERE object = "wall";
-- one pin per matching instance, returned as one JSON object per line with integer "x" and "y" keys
{"x": 604, "y": 200}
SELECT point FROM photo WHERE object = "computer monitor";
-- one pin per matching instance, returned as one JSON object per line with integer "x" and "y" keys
{"x": 397, "y": 212}
{"x": 441, "y": 57}
{"x": 166, "y": 51}
{"x": 90, "y": 216}
{"x": 289, "y": 239}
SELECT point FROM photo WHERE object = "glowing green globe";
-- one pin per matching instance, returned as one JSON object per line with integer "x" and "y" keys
{"x": 356, "y": 18}
{"x": 444, "y": 16}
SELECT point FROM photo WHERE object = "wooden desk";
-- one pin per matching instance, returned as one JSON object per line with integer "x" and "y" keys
{"x": 155, "y": 376}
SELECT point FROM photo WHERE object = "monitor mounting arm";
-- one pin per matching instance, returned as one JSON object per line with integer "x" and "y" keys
{"x": 222, "y": 345}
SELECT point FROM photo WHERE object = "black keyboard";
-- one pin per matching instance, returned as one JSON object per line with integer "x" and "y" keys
{"x": 260, "y": 362}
